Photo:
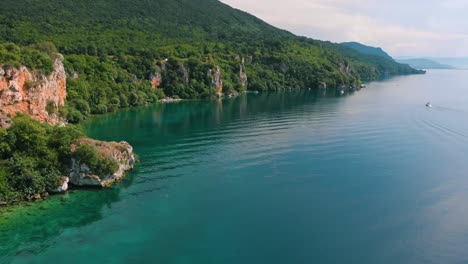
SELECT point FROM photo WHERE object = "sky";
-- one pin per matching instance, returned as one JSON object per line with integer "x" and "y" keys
{"x": 432, "y": 28}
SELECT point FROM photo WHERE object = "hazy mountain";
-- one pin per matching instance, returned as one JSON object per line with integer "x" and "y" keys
{"x": 421, "y": 63}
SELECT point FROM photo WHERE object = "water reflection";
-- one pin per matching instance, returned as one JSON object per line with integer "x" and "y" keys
{"x": 179, "y": 118}
{"x": 169, "y": 137}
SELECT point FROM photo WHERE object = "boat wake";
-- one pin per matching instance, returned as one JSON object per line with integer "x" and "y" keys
{"x": 442, "y": 108}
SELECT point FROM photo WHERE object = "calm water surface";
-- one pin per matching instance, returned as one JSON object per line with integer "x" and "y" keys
{"x": 294, "y": 177}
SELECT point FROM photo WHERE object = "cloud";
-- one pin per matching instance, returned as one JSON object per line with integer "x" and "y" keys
{"x": 403, "y": 28}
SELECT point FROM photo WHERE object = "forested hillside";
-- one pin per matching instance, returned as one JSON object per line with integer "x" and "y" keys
{"x": 367, "y": 49}
{"x": 123, "y": 53}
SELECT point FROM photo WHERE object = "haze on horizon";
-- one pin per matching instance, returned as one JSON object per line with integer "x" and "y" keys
{"x": 403, "y": 28}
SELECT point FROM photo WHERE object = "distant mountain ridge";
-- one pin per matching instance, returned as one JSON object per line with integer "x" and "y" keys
{"x": 426, "y": 64}
{"x": 367, "y": 49}
{"x": 455, "y": 62}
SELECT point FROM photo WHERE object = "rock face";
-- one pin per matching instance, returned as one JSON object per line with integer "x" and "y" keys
{"x": 345, "y": 68}
{"x": 243, "y": 75}
{"x": 63, "y": 186}
{"x": 5, "y": 120}
{"x": 323, "y": 85}
{"x": 122, "y": 152}
{"x": 22, "y": 90}
{"x": 156, "y": 80}
{"x": 216, "y": 80}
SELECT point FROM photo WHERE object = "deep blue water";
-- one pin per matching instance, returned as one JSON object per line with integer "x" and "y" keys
{"x": 296, "y": 177}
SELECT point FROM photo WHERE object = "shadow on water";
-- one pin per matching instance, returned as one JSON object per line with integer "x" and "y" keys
{"x": 30, "y": 228}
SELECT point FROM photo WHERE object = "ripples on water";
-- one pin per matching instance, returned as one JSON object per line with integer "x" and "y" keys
{"x": 294, "y": 177}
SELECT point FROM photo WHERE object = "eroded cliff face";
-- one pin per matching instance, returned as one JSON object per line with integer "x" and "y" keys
{"x": 25, "y": 91}
{"x": 122, "y": 152}
{"x": 243, "y": 75}
{"x": 216, "y": 80}
{"x": 156, "y": 80}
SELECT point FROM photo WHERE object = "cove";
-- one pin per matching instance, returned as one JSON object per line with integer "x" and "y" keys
{"x": 372, "y": 176}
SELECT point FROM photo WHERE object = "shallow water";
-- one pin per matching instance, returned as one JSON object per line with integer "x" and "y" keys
{"x": 294, "y": 177}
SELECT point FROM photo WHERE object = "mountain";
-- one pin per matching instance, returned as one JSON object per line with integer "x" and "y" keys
{"x": 120, "y": 51}
{"x": 457, "y": 62}
{"x": 367, "y": 49}
{"x": 424, "y": 64}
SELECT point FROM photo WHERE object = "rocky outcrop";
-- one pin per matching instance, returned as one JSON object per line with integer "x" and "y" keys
{"x": 122, "y": 152}
{"x": 5, "y": 120}
{"x": 156, "y": 80}
{"x": 243, "y": 75}
{"x": 345, "y": 68}
{"x": 322, "y": 85}
{"x": 32, "y": 93}
{"x": 183, "y": 73}
{"x": 62, "y": 186}
{"x": 216, "y": 80}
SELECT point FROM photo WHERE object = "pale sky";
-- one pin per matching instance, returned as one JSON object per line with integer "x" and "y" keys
{"x": 434, "y": 28}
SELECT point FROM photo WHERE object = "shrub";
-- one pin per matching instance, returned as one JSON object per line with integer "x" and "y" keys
{"x": 106, "y": 166}
{"x": 100, "y": 109}
{"x": 82, "y": 106}
{"x": 28, "y": 84}
{"x": 88, "y": 155}
{"x": 98, "y": 164}
{"x": 24, "y": 176}
{"x": 160, "y": 94}
{"x": 50, "y": 107}
{"x": 5, "y": 191}
{"x": 75, "y": 116}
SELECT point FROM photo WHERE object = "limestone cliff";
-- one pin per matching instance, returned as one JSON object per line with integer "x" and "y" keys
{"x": 156, "y": 80}
{"x": 216, "y": 80}
{"x": 122, "y": 152}
{"x": 32, "y": 93}
{"x": 243, "y": 75}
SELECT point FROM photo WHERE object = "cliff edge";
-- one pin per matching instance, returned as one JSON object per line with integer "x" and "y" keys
{"x": 32, "y": 93}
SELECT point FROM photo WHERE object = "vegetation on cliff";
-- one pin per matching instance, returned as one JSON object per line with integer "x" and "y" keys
{"x": 35, "y": 57}
{"x": 117, "y": 52}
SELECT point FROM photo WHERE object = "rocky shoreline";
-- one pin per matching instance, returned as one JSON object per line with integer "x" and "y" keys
{"x": 40, "y": 97}
{"x": 122, "y": 152}
{"x": 81, "y": 176}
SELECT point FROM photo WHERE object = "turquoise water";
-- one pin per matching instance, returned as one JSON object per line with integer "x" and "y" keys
{"x": 297, "y": 177}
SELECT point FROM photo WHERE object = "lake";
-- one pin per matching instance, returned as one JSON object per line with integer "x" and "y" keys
{"x": 372, "y": 176}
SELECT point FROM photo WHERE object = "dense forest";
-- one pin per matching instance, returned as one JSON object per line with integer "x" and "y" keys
{"x": 114, "y": 48}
